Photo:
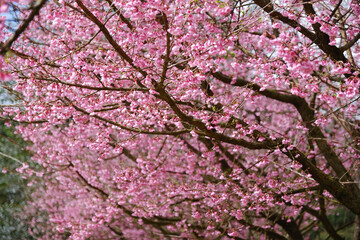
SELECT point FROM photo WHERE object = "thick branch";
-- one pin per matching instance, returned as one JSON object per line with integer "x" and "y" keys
{"x": 270, "y": 93}
{"x": 110, "y": 39}
{"x": 117, "y": 232}
{"x": 233, "y": 159}
{"x": 201, "y": 127}
{"x": 35, "y": 11}
{"x": 290, "y": 227}
{"x": 124, "y": 19}
{"x": 350, "y": 43}
{"x": 307, "y": 115}
{"x": 347, "y": 197}
{"x": 325, "y": 221}
{"x": 321, "y": 39}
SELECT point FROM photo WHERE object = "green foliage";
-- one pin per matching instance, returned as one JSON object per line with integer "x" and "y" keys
{"x": 13, "y": 188}
{"x": 11, "y": 226}
{"x": 342, "y": 219}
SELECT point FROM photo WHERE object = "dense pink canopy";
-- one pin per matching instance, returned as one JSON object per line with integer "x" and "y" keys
{"x": 193, "y": 119}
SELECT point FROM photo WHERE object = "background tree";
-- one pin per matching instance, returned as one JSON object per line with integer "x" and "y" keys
{"x": 14, "y": 188}
{"x": 195, "y": 119}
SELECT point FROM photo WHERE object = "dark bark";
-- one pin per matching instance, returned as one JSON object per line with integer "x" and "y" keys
{"x": 320, "y": 38}
{"x": 291, "y": 228}
{"x": 24, "y": 25}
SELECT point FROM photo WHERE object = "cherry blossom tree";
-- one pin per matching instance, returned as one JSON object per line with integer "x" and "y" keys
{"x": 192, "y": 119}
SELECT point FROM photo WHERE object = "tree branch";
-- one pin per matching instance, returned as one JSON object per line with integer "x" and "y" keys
{"x": 321, "y": 39}
{"x": 35, "y": 11}
{"x": 174, "y": 133}
{"x": 104, "y": 88}
{"x": 201, "y": 127}
{"x": 110, "y": 39}
{"x": 325, "y": 221}
{"x": 351, "y": 43}
{"x": 124, "y": 19}
{"x": 307, "y": 115}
